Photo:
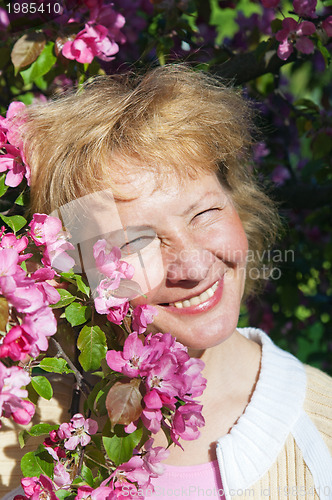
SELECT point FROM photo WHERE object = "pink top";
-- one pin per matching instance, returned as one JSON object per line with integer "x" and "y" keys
{"x": 191, "y": 481}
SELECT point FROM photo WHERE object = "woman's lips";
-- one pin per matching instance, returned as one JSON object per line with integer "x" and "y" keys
{"x": 199, "y": 308}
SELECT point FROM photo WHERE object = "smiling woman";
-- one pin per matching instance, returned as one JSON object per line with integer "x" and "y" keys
{"x": 158, "y": 166}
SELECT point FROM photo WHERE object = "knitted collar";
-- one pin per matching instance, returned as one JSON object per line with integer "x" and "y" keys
{"x": 248, "y": 451}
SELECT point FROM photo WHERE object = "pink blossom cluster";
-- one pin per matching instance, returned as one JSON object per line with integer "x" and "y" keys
{"x": 136, "y": 473}
{"x": 46, "y": 231}
{"x": 109, "y": 264}
{"x": 77, "y": 431}
{"x": 109, "y": 301}
{"x": 13, "y": 161}
{"x": 296, "y": 33}
{"x": 134, "y": 477}
{"x": 67, "y": 438}
{"x": 28, "y": 298}
{"x": 99, "y": 37}
{"x": 171, "y": 382}
{"x": 12, "y": 395}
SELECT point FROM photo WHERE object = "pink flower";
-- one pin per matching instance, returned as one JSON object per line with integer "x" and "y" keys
{"x": 44, "y": 229}
{"x": 47, "y": 230}
{"x": 16, "y": 344}
{"x": 89, "y": 43}
{"x": 117, "y": 314}
{"x": 40, "y": 325}
{"x": 130, "y": 359}
{"x": 13, "y": 163}
{"x": 13, "y": 122}
{"x": 26, "y": 299}
{"x": 133, "y": 471}
{"x": 61, "y": 477}
{"x": 8, "y": 262}
{"x": 24, "y": 414}
{"x": 280, "y": 174}
{"x": 152, "y": 420}
{"x": 9, "y": 240}
{"x": 106, "y": 300}
{"x": 80, "y": 430}
{"x": 164, "y": 378}
{"x": 153, "y": 457}
{"x": 11, "y": 393}
{"x": 37, "y": 488}
{"x": 100, "y": 493}
{"x": 186, "y": 422}
{"x": 327, "y": 25}
{"x": 295, "y": 33}
{"x": 142, "y": 316}
{"x": 195, "y": 383}
{"x": 4, "y": 19}
{"x": 108, "y": 262}
{"x": 305, "y": 8}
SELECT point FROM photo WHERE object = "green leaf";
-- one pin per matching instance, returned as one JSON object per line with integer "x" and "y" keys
{"x": 23, "y": 438}
{"x": 119, "y": 446}
{"x": 76, "y": 278}
{"x": 3, "y": 187}
{"x": 92, "y": 344}
{"x": 22, "y": 199}
{"x": 66, "y": 299}
{"x": 55, "y": 365}
{"x": 36, "y": 430}
{"x": 41, "y": 66}
{"x": 15, "y": 222}
{"x": 97, "y": 397}
{"x": 41, "y": 429}
{"x": 87, "y": 475}
{"x": 35, "y": 463}
{"x": 81, "y": 285}
{"x": 42, "y": 386}
{"x": 77, "y": 314}
{"x": 62, "y": 494}
{"x": 325, "y": 52}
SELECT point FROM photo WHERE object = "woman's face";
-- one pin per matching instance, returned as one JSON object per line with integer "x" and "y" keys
{"x": 189, "y": 249}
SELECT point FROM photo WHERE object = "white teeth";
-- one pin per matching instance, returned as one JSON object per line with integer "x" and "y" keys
{"x": 194, "y": 301}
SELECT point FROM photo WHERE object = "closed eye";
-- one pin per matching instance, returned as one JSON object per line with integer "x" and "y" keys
{"x": 207, "y": 211}
{"x": 136, "y": 245}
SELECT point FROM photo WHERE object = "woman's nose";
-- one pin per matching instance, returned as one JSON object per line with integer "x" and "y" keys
{"x": 187, "y": 263}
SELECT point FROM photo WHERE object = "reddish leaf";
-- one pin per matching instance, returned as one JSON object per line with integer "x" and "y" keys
{"x": 123, "y": 402}
{"x": 27, "y": 49}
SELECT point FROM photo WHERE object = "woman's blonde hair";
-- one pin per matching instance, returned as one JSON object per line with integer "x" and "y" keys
{"x": 172, "y": 120}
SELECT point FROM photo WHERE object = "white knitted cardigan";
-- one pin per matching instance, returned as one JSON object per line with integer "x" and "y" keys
{"x": 274, "y": 412}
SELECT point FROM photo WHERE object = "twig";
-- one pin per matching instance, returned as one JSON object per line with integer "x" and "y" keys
{"x": 81, "y": 382}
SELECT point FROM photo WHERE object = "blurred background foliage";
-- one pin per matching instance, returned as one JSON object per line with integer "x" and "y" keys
{"x": 235, "y": 40}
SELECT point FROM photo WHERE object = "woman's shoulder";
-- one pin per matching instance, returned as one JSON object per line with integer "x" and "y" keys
{"x": 318, "y": 402}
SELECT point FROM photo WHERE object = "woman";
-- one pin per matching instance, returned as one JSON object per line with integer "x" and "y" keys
{"x": 170, "y": 150}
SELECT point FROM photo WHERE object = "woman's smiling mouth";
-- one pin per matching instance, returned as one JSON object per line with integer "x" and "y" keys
{"x": 198, "y": 304}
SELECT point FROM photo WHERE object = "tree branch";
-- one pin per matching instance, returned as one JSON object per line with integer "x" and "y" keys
{"x": 245, "y": 67}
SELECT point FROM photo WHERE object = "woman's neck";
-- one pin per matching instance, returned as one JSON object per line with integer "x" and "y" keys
{"x": 232, "y": 370}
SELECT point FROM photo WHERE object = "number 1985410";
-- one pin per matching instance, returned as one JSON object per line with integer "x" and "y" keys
{"x": 33, "y": 8}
